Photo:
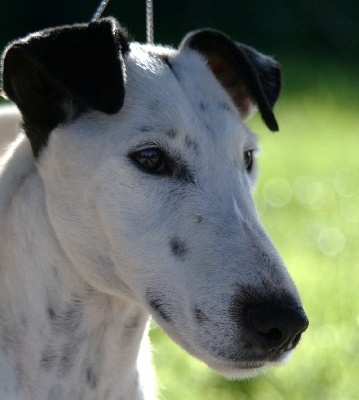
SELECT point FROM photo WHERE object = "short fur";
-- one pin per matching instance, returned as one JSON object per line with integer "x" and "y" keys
{"x": 129, "y": 195}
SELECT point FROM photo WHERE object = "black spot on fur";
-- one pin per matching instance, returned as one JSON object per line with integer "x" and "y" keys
{"x": 202, "y": 106}
{"x": 20, "y": 376}
{"x": 200, "y": 316}
{"x": 68, "y": 325}
{"x": 51, "y": 313}
{"x": 191, "y": 144}
{"x": 134, "y": 323}
{"x": 145, "y": 129}
{"x": 67, "y": 358}
{"x": 91, "y": 377}
{"x": 70, "y": 321}
{"x": 69, "y": 354}
{"x": 155, "y": 300}
{"x": 48, "y": 358}
{"x": 178, "y": 248}
{"x": 166, "y": 59}
{"x": 171, "y": 133}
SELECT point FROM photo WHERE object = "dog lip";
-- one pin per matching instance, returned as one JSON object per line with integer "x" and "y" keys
{"x": 237, "y": 369}
{"x": 258, "y": 360}
{"x": 241, "y": 370}
{"x": 251, "y": 364}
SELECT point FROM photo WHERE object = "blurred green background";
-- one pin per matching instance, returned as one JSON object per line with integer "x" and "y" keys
{"x": 308, "y": 189}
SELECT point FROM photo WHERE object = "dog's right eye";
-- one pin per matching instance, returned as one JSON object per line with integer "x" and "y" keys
{"x": 152, "y": 160}
{"x": 248, "y": 160}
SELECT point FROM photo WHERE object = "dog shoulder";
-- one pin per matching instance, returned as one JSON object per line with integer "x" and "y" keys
{"x": 9, "y": 125}
{"x": 16, "y": 162}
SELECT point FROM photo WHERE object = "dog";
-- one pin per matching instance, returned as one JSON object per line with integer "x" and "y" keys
{"x": 128, "y": 193}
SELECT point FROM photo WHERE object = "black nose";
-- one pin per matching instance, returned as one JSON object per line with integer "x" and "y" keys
{"x": 276, "y": 327}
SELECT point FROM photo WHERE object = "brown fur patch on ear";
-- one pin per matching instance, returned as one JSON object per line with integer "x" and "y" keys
{"x": 251, "y": 78}
{"x": 235, "y": 87}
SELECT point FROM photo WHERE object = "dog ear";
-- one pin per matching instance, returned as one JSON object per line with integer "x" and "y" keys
{"x": 251, "y": 78}
{"x": 55, "y": 74}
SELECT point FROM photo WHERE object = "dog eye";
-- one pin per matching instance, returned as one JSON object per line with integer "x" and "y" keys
{"x": 248, "y": 160}
{"x": 152, "y": 160}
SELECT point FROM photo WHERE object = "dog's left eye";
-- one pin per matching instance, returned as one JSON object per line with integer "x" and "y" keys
{"x": 152, "y": 160}
{"x": 248, "y": 160}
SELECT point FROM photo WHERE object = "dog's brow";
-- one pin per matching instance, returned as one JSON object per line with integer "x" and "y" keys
{"x": 171, "y": 133}
{"x": 251, "y": 141}
{"x": 183, "y": 172}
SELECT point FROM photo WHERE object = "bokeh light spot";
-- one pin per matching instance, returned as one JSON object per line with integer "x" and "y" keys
{"x": 346, "y": 181}
{"x": 331, "y": 241}
{"x": 277, "y": 192}
{"x": 313, "y": 193}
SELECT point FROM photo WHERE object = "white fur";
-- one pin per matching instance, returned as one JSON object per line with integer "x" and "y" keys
{"x": 85, "y": 240}
{"x": 9, "y": 124}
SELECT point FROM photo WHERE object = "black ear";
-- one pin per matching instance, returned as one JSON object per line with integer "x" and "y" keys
{"x": 77, "y": 68}
{"x": 251, "y": 78}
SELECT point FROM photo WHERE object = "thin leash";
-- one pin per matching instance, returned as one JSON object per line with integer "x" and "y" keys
{"x": 100, "y": 10}
{"x": 149, "y": 17}
{"x": 149, "y": 21}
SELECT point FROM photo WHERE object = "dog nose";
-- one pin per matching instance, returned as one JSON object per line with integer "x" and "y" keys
{"x": 277, "y": 328}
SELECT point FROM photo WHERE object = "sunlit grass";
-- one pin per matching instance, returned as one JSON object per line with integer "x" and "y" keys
{"x": 308, "y": 198}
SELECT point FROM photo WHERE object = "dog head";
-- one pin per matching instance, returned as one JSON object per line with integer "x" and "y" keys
{"x": 148, "y": 168}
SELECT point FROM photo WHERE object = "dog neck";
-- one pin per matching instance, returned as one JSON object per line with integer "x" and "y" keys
{"x": 59, "y": 337}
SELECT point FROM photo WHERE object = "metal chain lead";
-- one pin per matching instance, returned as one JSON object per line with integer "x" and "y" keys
{"x": 100, "y": 10}
{"x": 149, "y": 21}
{"x": 149, "y": 17}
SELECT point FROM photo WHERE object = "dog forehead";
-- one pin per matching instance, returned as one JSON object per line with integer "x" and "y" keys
{"x": 180, "y": 92}
{"x": 163, "y": 72}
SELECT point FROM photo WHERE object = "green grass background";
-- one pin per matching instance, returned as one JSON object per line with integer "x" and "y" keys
{"x": 308, "y": 197}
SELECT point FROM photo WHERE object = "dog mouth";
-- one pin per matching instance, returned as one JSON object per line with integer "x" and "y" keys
{"x": 249, "y": 368}
{"x": 231, "y": 366}
{"x": 249, "y": 350}
{"x": 239, "y": 371}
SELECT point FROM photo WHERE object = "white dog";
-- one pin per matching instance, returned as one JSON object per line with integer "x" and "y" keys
{"x": 130, "y": 195}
